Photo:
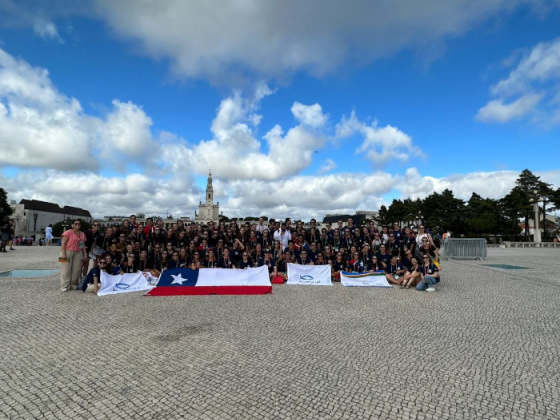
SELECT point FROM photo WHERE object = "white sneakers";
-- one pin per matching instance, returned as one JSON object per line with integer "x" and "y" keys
{"x": 431, "y": 289}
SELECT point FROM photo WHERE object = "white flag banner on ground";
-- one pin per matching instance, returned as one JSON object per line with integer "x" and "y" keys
{"x": 151, "y": 279}
{"x": 123, "y": 283}
{"x": 373, "y": 279}
{"x": 317, "y": 275}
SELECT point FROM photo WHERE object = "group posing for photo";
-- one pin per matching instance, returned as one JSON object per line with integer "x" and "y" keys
{"x": 408, "y": 258}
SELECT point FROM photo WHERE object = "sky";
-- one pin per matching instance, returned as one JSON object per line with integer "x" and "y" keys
{"x": 298, "y": 109}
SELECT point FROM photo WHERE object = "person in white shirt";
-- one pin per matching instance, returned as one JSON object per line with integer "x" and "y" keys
{"x": 283, "y": 236}
{"x": 261, "y": 227}
{"x": 49, "y": 234}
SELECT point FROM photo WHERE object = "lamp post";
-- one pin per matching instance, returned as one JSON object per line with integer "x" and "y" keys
{"x": 64, "y": 226}
{"x": 535, "y": 201}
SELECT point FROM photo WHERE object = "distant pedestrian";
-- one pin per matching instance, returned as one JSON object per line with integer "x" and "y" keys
{"x": 49, "y": 234}
{"x": 5, "y": 229}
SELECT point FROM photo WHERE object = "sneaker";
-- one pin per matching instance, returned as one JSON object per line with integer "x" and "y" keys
{"x": 431, "y": 289}
{"x": 64, "y": 289}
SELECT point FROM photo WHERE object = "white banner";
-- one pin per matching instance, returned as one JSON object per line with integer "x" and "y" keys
{"x": 318, "y": 275}
{"x": 228, "y": 277}
{"x": 123, "y": 283}
{"x": 364, "y": 280}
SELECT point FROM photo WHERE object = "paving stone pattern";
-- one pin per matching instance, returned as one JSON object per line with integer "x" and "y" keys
{"x": 484, "y": 346}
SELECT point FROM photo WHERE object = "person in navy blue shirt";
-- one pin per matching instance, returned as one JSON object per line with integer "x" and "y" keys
{"x": 338, "y": 266}
{"x": 429, "y": 273}
{"x": 394, "y": 271}
{"x": 94, "y": 276}
{"x": 245, "y": 261}
{"x": 412, "y": 275}
{"x": 374, "y": 264}
{"x": 269, "y": 262}
{"x": 383, "y": 256}
{"x": 303, "y": 259}
{"x": 283, "y": 264}
{"x": 225, "y": 261}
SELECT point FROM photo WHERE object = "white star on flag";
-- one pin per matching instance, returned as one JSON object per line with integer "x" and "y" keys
{"x": 178, "y": 279}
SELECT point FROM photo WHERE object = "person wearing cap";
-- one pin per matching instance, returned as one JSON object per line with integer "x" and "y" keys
{"x": 269, "y": 262}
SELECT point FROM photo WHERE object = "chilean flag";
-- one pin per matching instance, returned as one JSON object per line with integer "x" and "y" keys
{"x": 213, "y": 281}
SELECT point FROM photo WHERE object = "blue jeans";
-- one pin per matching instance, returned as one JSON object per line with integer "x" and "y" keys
{"x": 431, "y": 282}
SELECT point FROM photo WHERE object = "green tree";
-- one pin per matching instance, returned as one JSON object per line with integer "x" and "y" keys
{"x": 528, "y": 183}
{"x": 141, "y": 215}
{"x": 482, "y": 215}
{"x": 5, "y": 209}
{"x": 382, "y": 217}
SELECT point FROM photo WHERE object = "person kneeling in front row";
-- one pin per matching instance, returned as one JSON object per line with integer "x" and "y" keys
{"x": 93, "y": 277}
{"x": 430, "y": 275}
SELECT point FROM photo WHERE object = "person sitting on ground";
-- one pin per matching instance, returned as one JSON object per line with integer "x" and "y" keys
{"x": 94, "y": 276}
{"x": 430, "y": 275}
{"x": 383, "y": 256}
{"x": 356, "y": 265}
{"x": 338, "y": 266}
{"x": 245, "y": 261}
{"x": 412, "y": 275}
{"x": 283, "y": 264}
{"x": 225, "y": 261}
{"x": 303, "y": 259}
{"x": 270, "y": 263}
{"x": 129, "y": 265}
{"x": 374, "y": 264}
{"x": 394, "y": 271}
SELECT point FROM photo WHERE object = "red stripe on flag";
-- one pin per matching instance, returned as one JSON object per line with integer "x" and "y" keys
{"x": 208, "y": 290}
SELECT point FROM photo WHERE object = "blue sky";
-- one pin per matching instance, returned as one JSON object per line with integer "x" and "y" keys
{"x": 432, "y": 88}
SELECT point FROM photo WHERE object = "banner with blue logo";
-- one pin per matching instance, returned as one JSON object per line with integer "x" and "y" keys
{"x": 369, "y": 279}
{"x": 123, "y": 283}
{"x": 316, "y": 275}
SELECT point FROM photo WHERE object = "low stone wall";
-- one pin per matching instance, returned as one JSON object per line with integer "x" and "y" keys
{"x": 509, "y": 244}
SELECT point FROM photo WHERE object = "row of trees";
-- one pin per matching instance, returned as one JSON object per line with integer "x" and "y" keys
{"x": 479, "y": 215}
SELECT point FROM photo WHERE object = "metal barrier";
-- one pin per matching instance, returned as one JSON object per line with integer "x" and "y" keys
{"x": 461, "y": 248}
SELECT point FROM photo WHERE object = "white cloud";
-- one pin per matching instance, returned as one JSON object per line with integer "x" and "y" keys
{"x": 498, "y": 111}
{"x": 275, "y": 38}
{"x": 328, "y": 166}
{"x": 42, "y": 128}
{"x": 47, "y": 30}
{"x": 380, "y": 144}
{"x": 309, "y": 115}
{"x": 533, "y": 85}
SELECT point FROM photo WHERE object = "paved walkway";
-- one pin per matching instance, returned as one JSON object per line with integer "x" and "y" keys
{"x": 486, "y": 345}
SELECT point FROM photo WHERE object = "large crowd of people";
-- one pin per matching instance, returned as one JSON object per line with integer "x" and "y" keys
{"x": 409, "y": 258}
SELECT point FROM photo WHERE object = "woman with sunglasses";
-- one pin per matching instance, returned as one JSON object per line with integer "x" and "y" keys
{"x": 73, "y": 250}
{"x": 174, "y": 263}
{"x": 423, "y": 234}
{"x": 429, "y": 275}
{"x": 374, "y": 264}
{"x": 427, "y": 248}
{"x": 93, "y": 237}
{"x": 412, "y": 275}
{"x": 356, "y": 265}
{"x": 245, "y": 261}
{"x": 338, "y": 266}
{"x": 94, "y": 276}
{"x": 266, "y": 240}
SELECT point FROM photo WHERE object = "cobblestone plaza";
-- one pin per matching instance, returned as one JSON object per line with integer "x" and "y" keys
{"x": 485, "y": 345}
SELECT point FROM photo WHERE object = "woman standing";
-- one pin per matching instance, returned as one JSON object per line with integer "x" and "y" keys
{"x": 72, "y": 249}
{"x": 48, "y": 234}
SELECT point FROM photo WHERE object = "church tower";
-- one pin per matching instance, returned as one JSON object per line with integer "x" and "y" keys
{"x": 208, "y": 212}
{"x": 209, "y": 190}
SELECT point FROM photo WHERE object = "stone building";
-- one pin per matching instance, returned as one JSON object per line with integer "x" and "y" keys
{"x": 31, "y": 217}
{"x": 208, "y": 212}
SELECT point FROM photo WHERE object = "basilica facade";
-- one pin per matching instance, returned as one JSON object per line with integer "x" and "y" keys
{"x": 208, "y": 211}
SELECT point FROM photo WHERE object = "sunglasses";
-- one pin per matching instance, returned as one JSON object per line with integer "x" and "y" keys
{"x": 77, "y": 224}
{"x": 102, "y": 263}
{"x": 425, "y": 258}
{"x": 95, "y": 224}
